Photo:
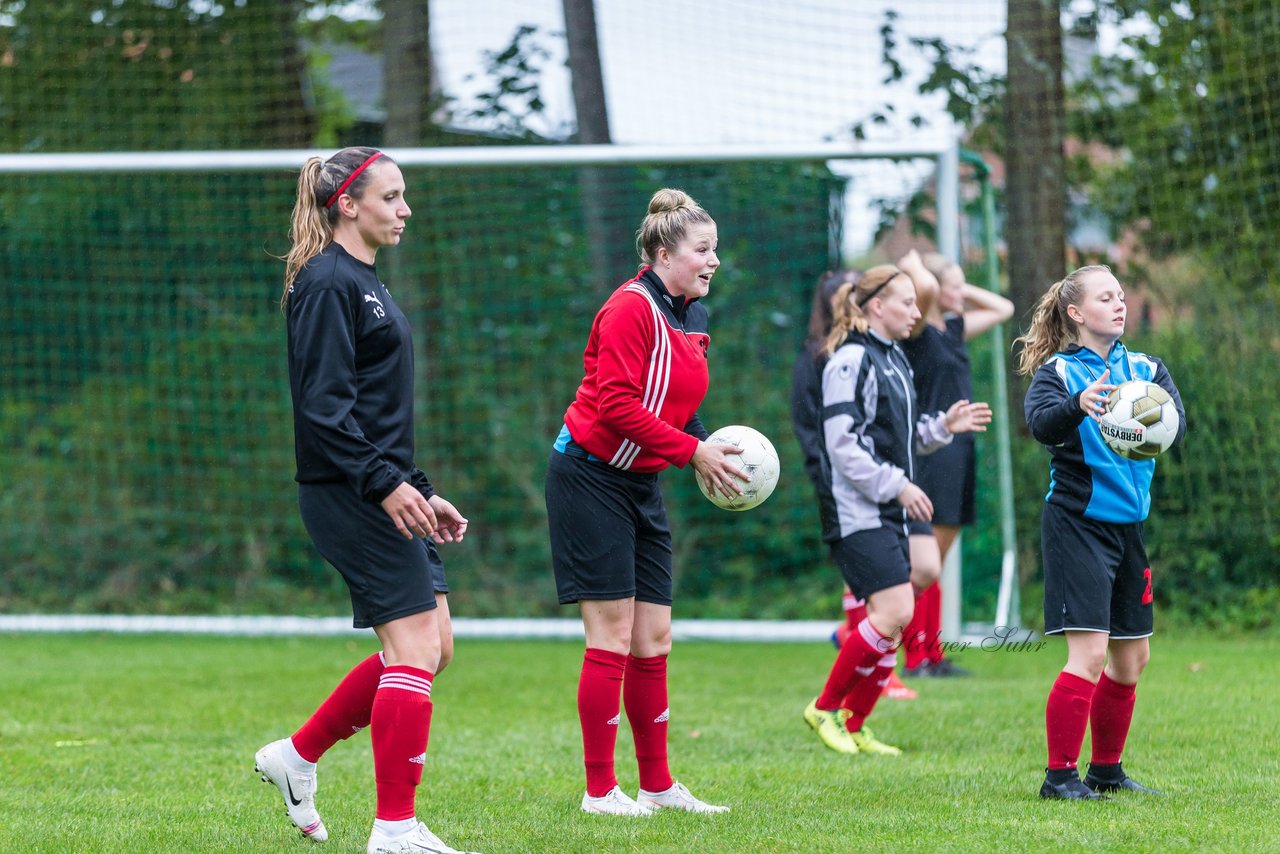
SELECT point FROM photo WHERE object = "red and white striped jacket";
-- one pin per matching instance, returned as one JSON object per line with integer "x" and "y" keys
{"x": 645, "y": 376}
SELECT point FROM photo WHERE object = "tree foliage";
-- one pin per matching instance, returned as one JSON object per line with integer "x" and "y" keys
{"x": 1176, "y": 154}
{"x": 1190, "y": 99}
{"x": 144, "y": 75}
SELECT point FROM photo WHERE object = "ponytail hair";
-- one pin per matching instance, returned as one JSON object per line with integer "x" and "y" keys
{"x": 671, "y": 214}
{"x": 320, "y": 183}
{"x": 820, "y": 313}
{"x": 1051, "y": 327}
{"x": 847, "y": 313}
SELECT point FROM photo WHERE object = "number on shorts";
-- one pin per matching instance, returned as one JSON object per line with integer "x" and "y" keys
{"x": 1146, "y": 594}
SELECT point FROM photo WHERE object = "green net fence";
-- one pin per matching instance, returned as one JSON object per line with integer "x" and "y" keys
{"x": 148, "y": 451}
{"x": 145, "y": 435}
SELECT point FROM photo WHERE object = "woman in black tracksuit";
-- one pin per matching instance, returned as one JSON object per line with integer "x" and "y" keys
{"x": 871, "y": 429}
{"x": 954, "y": 312}
{"x": 806, "y": 392}
{"x": 369, "y": 509}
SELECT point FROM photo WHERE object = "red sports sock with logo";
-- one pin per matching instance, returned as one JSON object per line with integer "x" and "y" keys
{"x": 344, "y": 713}
{"x": 856, "y": 661}
{"x": 1109, "y": 719}
{"x": 599, "y": 712}
{"x": 399, "y": 726}
{"x": 1066, "y": 715}
{"x": 644, "y": 694}
{"x": 862, "y": 698}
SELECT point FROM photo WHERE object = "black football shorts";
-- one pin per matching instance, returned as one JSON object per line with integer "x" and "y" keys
{"x": 610, "y": 538}
{"x": 873, "y": 560}
{"x": 1096, "y": 576}
{"x": 388, "y": 575}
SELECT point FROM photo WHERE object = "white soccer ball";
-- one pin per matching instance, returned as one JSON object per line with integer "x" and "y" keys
{"x": 1140, "y": 420}
{"x": 758, "y": 459}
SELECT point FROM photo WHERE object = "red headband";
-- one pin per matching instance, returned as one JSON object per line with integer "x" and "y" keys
{"x": 354, "y": 175}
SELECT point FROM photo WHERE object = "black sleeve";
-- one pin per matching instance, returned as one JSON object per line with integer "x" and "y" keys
{"x": 694, "y": 428}
{"x": 806, "y": 412}
{"x": 1165, "y": 382}
{"x": 1052, "y": 413}
{"x": 418, "y": 480}
{"x": 322, "y": 338}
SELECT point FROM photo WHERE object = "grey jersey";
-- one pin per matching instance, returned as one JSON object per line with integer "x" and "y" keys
{"x": 872, "y": 432}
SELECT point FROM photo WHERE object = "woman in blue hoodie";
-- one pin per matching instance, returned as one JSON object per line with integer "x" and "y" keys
{"x": 1097, "y": 580}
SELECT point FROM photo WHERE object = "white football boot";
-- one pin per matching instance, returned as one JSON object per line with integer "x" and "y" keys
{"x": 614, "y": 802}
{"x": 417, "y": 840}
{"x": 676, "y": 798}
{"x": 298, "y": 790}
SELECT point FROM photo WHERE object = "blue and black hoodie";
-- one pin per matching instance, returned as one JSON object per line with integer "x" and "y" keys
{"x": 1085, "y": 477}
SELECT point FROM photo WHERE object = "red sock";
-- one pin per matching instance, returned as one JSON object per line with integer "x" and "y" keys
{"x": 862, "y": 698}
{"x": 644, "y": 693}
{"x": 931, "y": 604}
{"x": 400, "y": 724}
{"x": 599, "y": 704}
{"x": 1109, "y": 719}
{"x": 343, "y": 714}
{"x": 857, "y": 660}
{"x": 915, "y": 637}
{"x": 855, "y": 611}
{"x": 1066, "y": 715}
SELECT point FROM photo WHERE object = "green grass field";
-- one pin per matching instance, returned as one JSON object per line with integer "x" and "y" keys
{"x": 145, "y": 743}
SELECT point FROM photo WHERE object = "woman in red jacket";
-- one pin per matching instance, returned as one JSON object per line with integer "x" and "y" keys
{"x": 635, "y": 413}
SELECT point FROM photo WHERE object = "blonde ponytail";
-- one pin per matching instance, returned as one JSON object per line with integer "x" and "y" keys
{"x": 1051, "y": 327}
{"x": 311, "y": 225}
{"x": 309, "y": 229}
{"x": 847, "y": 314}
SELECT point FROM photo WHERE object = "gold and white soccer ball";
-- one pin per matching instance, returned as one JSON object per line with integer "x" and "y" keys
{"x": 758, "y": 459}
{"x": 1140, "y": 420}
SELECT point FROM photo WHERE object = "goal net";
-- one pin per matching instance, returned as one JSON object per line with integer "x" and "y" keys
{"x": 149, "y": 454}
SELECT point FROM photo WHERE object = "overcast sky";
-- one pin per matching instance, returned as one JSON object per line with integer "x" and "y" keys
{"x": 722, "y": 71}
{"x": 735, "y": 71}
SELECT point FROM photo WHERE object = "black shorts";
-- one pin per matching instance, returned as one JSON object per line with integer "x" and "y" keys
{"x": 609, "y": 533}
{"x": 1096, "y": 576}
{"x": 873, "y": 560}
{"x": 917, "y": 528}
{"x": 388, "y": 575}
{"x": 949, "y": 477}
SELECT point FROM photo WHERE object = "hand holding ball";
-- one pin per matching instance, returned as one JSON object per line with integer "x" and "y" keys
{"x": 758, "y": 459}
{"x": 1139, "y": 421}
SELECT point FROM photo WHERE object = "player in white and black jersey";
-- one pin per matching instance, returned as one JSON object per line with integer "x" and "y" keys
{"x": 871, "y": 430}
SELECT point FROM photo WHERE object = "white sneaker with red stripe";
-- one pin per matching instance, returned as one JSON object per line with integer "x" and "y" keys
{"x": 297, "y": 788}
